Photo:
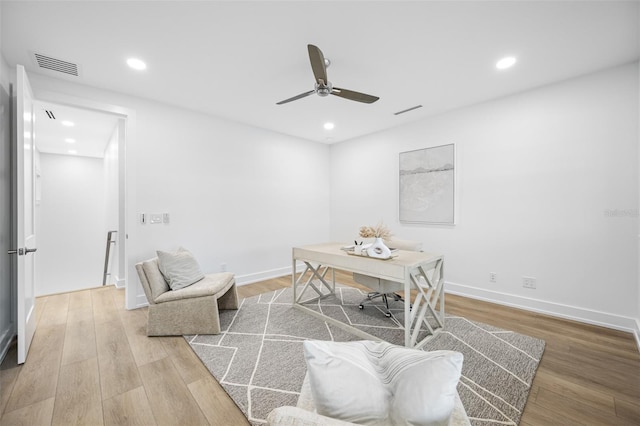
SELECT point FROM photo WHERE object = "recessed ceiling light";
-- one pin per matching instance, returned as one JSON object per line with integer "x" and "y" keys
{"x": 329, "y": 126}
{"x": 67, "y": 123}
{"x": 69, "y": 140}
{"x": 72, "y": 151}
{"x": 136, "y": 64}
{"x": 505, "y": 63}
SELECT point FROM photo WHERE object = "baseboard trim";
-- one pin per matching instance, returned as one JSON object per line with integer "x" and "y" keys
{"x": 266, "y": 275}
{"x": 5, "y": 341}
{"x": 119, "y": 282}
{"x": 588, "y": 316}
{"x": 141, "y": 301}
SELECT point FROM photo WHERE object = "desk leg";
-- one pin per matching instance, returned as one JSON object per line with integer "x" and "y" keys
{"x": 319, "y": 272}
{"x": 442, "y": 294}
{"x": 428, "y": 280}
{"x": 407, "y": 313}
{"x": 294, "y": 281}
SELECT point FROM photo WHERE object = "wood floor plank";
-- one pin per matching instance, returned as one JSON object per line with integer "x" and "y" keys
{"x": 603, "y": 401}
{"x": 628, "y": 410}
{"x": 104, "y": 308}
{"x": 80, "y": 314}
{"x": 184, "y": 359}
{"x": 55, "y": 310}
{"x": 78, "y": 398}
{"x": 80, "y": 299}
{"x": 79, "y": 341}
{"x": 119, "y": 298}
{"x": 80, "y": 306}
{"x": 617, "y": 383}
{"x": 118, "y": 370}
{"x": 38, "y": 413}
{"x": 38, "y": 377}
{"x": 40, "y": 304}
{"x": 169, "y": 398}
{"x": 8, "y": 377}
{"x": 144, "y": 349}
{"x": 216, "y": 405}
{"x": 129, "y": 409}
{"x": 580, "y": 411}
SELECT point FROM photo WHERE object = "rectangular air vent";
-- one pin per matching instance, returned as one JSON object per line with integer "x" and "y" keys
{"x": 407, "y": 110}
{"x": 57, "y": 65}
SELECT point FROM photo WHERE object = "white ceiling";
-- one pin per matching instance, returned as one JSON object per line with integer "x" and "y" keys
{"x": 237, "y": 59}
{"x": 90, "y": 132}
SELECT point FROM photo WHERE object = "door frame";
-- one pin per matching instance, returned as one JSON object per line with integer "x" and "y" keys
{"x": 124, "y": 178}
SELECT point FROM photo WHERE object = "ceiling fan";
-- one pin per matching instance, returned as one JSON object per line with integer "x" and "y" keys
{"x": 323, "y": 87}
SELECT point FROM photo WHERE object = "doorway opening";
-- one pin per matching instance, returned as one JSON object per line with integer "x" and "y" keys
{"x": 77, "y": 198}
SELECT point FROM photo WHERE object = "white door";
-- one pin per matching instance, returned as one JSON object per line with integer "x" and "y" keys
{"x": 25, "y": 215}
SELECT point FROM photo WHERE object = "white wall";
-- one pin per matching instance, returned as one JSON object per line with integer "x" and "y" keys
{"x": 71, "y": 238}
{"x": 236, "y": 194}
{"x": 537, "y": 173}
{"x": 110, "y": 167}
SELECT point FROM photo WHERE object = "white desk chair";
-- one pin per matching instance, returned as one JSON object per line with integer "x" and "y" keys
{"x": 377, "y": 284}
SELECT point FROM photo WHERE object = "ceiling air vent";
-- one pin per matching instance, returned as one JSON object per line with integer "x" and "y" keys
{"x": 50, "y": 114}
{"x": 407, "y": 110}
{"x": 57, "y": 65}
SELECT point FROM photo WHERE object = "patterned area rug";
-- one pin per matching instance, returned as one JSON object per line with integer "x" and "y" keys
{"x": 258, "y": 358}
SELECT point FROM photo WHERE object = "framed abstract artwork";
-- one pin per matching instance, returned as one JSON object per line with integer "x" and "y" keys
{"x": 428, "y": 185}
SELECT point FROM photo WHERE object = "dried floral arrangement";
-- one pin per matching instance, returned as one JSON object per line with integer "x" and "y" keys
{"x": 378, "y": 231}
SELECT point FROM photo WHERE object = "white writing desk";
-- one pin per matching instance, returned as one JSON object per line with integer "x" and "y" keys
{"x": 409, "y": 270}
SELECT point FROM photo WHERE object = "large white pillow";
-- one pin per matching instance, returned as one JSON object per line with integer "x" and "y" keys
{"x": 179, "y": 269}
{"x": 377, "y": 383}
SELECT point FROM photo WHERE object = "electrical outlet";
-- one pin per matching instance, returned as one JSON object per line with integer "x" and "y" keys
{"x": 493, "y": 277}
{"x": 529, "y": 282}
{"x": 223, "y": 267}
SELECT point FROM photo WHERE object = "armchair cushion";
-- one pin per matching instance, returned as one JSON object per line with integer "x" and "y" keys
{"x": 180, "y": 269}
{"x": 210, "y": 285}
{"x": 152, "y": 277}
{"x": 376, "y": 383}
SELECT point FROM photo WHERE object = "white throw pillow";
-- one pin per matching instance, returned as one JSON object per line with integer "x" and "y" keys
{"x": 377, "y": 383}
{"x": 179, "y": 269}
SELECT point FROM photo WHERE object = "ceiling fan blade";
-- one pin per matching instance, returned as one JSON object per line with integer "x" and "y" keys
{"x": 317, "y": 64}
{"x": 354, "y": 96}
{"x": 295, "y": 98}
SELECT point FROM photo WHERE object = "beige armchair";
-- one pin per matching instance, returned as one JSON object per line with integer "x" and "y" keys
{"x": 304, "y": 413}
{"x": 190, "y": 310}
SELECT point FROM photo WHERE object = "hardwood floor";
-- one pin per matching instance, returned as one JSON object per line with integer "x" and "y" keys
{"x": 91, "y": 363}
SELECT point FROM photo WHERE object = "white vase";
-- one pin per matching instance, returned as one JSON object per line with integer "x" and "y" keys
{"x": 378, "y": 249}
